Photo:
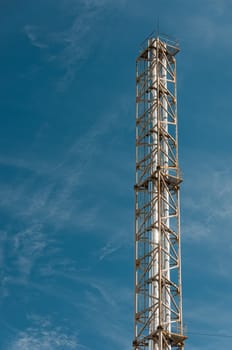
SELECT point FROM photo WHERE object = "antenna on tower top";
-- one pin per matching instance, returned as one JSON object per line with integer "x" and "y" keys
{"x": 158, "y": 27}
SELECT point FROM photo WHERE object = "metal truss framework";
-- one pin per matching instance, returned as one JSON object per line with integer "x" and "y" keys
{"x": 158, "y": 295}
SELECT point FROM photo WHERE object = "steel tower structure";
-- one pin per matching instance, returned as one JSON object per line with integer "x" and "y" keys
{"x": 158, "y": 295}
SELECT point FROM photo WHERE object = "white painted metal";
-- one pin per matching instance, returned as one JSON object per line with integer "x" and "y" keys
{"x": 165, "y": 214}
{"x": 154, "y": 271}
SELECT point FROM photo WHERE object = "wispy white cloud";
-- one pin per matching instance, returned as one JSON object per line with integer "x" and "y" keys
{"x": 210, "y": 26}
{"x": 121, "y": 239}
{"x": 32, "y": 32}
{"x": 53, "y": 198}
{"x": 201, "y": 314}
{"x": 219, "y": 6}
{"x": 71, "y": 46}
{"x": 207, "y": 193}
{"x": 104, "y": 309}
{"x": 195, "y": 230}
{"x": 208, "y": 319}
{"x": 27, "y": 246}
{"x": 109, "y": 312}
{"x": 108, "y": 249}
{"x": 43, "y": 334}
{"x": 50, "y": 192}
{"x": 21, "y": 254}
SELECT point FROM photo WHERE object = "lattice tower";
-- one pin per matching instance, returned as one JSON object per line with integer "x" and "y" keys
{"x": 158, "y": 292}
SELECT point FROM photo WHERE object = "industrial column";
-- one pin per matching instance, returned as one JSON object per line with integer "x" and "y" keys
{"x": 158, "y": 295}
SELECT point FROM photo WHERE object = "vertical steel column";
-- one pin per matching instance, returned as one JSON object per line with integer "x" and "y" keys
{"x": 158, "y": 298}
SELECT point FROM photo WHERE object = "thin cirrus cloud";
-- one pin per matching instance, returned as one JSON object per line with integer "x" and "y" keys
{"x": 108, "y": 312}
{"x": 202, "y": 315}
{"x": 33, "y": 34}
{"x": 52, "y": 193}
{"x": 57, "y": 203}
{"x": 42, "y": 334}
{"x": 206, "y": 196}
{"x": 206, "y": 32}
{"x": 69, "y": 47}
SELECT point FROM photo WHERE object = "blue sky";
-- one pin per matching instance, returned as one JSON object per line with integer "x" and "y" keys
{"x": 67, "y": 142}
